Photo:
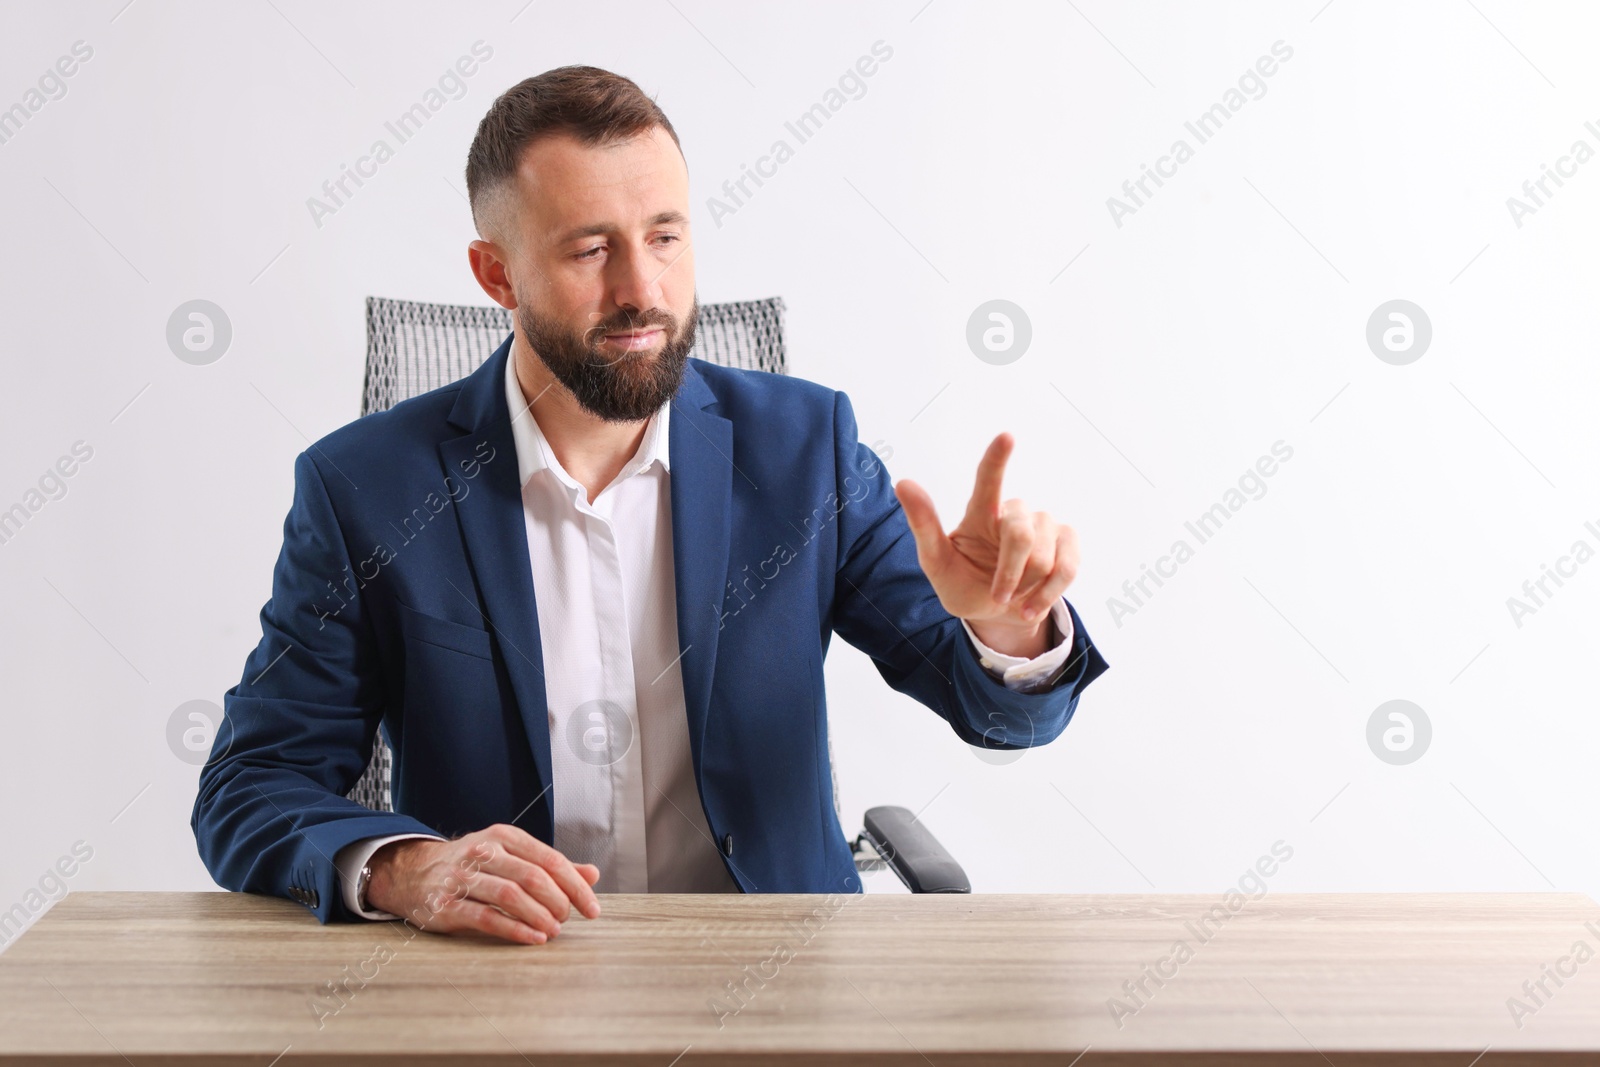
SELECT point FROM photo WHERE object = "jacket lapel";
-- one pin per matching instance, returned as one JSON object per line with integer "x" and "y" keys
{"x": 700, "y": 447}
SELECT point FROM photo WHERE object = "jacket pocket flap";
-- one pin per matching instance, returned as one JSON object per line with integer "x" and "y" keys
{"x": 456, "y": 636}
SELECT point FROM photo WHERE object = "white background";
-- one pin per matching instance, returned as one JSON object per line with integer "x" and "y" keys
{"x": 1227, "y": 314}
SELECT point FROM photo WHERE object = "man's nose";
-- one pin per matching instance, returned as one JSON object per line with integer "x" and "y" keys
{"x": 637, "y": 285}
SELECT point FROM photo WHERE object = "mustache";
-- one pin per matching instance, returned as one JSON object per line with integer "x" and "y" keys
{"x": 629, "y": 321}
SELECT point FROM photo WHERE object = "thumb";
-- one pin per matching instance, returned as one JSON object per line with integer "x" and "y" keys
{"x": 923, "y": 519}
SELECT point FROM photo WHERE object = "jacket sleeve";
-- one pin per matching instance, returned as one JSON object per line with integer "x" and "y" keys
{"x": 885, "y": 606}
{"x": 297, "y": 730}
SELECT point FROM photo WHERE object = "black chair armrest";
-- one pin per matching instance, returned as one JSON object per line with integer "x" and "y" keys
{"x": 913, "y": 853}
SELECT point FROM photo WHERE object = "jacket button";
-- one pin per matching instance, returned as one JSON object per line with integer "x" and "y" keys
{"x": 727, "y": 844}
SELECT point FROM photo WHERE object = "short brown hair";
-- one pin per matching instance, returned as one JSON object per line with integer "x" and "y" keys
{"x": 591, "y": 104}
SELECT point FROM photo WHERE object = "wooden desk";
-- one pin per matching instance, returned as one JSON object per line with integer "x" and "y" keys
{"x": 167, "y": 978}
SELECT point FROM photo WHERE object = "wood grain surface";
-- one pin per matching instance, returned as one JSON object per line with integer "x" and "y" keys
{"x": 673, "y": 981}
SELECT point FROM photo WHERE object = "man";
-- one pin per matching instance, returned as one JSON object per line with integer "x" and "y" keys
{"x": 588, "y": 589}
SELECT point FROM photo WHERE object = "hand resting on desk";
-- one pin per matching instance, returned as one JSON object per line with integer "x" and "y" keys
{"x": 501, "y": 881}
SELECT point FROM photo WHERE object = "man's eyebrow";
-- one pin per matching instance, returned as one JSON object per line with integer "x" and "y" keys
{"x": 664, "y": 218}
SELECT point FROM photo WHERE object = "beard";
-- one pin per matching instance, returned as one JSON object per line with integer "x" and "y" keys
{"x": 614, "y": 386}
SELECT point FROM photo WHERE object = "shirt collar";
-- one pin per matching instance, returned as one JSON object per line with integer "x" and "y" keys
{"x": 533, "y": 450}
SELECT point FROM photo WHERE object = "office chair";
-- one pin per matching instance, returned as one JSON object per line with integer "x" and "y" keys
{"x": 414, "y": 347}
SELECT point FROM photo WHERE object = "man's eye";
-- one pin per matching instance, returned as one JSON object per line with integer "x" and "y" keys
{"x": 668, "y": 237}
{"x": 589, "y": 253}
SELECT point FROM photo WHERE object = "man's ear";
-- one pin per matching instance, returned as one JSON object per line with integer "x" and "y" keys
{"x": 489, "y": 266}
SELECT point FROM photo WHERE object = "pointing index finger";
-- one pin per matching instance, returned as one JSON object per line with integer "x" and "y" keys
{"x": 985, "y": 502}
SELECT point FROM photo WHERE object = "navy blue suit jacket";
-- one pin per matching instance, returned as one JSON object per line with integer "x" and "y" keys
{"x": 403, "y": 596}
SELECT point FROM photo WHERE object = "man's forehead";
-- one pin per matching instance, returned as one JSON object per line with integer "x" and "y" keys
{"x": 622, "y": 183}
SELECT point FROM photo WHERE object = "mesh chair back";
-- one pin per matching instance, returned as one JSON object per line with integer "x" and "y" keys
{"x": 415, "y": 347}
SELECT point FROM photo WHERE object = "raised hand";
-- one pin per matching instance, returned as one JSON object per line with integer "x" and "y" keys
{"x": 1003, "y": 567}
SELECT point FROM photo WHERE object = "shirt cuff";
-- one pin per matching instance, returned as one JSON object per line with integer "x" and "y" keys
{"x": 1017, "y": 673}
{"x": 351, "y": 858}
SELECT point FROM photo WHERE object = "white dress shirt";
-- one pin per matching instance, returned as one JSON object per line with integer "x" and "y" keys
{"x": 623, "y": 788}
